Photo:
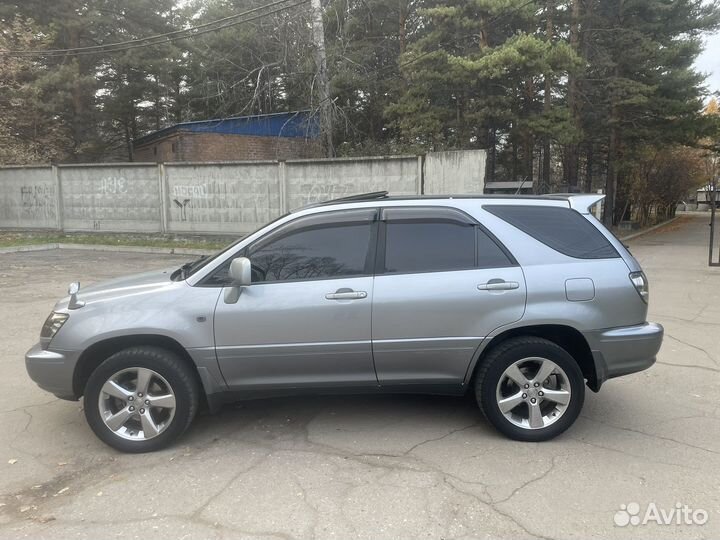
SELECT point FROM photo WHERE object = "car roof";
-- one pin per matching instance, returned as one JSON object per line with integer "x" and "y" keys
{"x": 577, "y": 201}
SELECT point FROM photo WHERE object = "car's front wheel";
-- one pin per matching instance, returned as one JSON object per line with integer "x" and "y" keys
{"x": 141, "y": 399}
{"x": 530, "y": 389}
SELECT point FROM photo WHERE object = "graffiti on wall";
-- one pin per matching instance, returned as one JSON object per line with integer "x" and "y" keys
{"x": 229, "y": 199}
{"x": 318, "y": 192}
{"x": 197, "y": 191}
{"x": 37, "y": 202}
{"x": 212, "y": 198}
{"x": 113, "y": 185}
{"x": 183, "y": 207}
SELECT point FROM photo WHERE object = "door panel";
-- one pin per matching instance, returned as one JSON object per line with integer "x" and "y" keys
{"x": 443, "y": 284}
{"x": 289, "y": 334}
{"x": 305, "y": 319}
{"x": 426, "y": 327}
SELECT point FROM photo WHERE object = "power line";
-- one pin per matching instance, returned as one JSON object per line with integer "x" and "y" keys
{"x": 159, "y": 39}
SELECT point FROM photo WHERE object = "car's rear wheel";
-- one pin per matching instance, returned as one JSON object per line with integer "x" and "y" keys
{"x": 530, "y": 389}
{"x": 141, "y": 399}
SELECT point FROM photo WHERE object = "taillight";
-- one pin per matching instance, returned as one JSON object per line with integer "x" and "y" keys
{"x": 640, "y": 281}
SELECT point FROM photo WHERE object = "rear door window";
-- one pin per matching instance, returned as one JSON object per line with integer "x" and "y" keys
{"x": 437, "y": 240}
{"x": 562, "y": 229}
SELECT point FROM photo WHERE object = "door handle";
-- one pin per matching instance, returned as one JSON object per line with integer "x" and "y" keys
{"x": 346, "y": 294}
{"x": 498, "y": 285}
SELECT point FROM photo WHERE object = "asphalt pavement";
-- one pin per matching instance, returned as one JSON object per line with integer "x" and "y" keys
{"x": 376, "y": 467}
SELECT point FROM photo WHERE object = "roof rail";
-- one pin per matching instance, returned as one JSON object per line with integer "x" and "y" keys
{"x": 361, "y": 197}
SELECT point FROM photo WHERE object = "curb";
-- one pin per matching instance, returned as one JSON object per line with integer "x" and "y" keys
{"x": 29, "y": 247}
{"x": 651, "y": 229}
{"x": 113, "y": 249}
{"x": 137, "y": 249}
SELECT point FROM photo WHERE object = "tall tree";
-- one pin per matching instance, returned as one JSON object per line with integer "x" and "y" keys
{"x": 641, "y": 77}
{"x": 366, "y": 39}
{"x": 29, "y": 132}
{"x": 475, "y": 76}
{"x": 80, "y": 87}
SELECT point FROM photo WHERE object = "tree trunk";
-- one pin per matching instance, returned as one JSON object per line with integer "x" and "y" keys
{"x": 129, "y": 141}
{"x": 612, "y": 171}
{"x": 158, "y": 107}
{"x": 547, "y": 104}
{"x": 178, "y": 103}
{"x": 402, "y": 20}
{"x": 589, "y": 164}
{"x": 76, "y": 96}
{"x": 131, "y": 131}
{"x": 611, "y": 182}
{"x": 528, "y": 158}
{"x": 323, "y": 81}
{"x": 572, "y": 150}
{"x": 492, "y": 155}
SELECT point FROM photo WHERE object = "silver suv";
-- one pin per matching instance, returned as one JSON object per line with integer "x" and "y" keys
{"x": 520, "y": 300}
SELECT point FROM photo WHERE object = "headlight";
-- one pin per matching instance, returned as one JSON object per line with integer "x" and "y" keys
{"x": 641, "y": 285}
{"x": 52, "y": 324}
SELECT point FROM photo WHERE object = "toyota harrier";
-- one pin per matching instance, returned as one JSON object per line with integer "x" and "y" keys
{"x": 522, "y": 301}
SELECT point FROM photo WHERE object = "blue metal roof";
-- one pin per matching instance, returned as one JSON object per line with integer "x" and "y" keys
{"x": 301, "y": 124}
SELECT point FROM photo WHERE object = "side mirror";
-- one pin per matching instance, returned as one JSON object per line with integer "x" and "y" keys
{"x": 240, "y": 273}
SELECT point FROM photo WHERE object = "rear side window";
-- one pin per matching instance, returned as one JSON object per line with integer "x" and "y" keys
{"x": 437, "y": 240}
{"x": 562, "y": 229}
{"x": 489, "y": 254}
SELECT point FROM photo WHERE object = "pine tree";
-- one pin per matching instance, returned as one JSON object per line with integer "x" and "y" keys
{"x": 29, "y": 133}
{"x": 640, "y": 78}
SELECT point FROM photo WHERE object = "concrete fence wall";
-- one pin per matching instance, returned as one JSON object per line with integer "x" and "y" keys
{"x": 214, "y": 198}
{"x": 28, "y": 198}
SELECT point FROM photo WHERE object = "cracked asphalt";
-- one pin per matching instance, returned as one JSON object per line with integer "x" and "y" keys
{"x": 372, "y": 467}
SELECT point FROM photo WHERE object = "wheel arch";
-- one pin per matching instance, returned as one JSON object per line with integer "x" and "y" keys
{"x": 564, "y": 336}
{"x": 98, "y": 352}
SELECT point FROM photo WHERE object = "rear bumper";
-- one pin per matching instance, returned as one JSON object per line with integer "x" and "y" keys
{"x": 52, "y": 370}
{"x": 625, "y": 350}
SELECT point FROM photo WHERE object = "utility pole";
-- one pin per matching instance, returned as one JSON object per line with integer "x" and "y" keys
{"x": 323, "y": 82}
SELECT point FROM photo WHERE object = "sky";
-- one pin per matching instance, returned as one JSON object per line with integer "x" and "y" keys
{"x": 709, "y": 62}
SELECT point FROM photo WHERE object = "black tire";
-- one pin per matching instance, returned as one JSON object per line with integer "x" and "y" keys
{"x": 173, "y": 369}
{"x": 502, "y": 357}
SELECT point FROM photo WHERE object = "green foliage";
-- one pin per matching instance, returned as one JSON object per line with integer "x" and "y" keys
{"x": 585, "y": 87}
{"x": 28, "y": 131}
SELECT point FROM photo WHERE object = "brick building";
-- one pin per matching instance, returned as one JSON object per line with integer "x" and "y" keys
{"x": 280, "y": 136}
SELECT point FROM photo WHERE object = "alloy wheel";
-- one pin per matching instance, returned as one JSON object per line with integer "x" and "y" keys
{"x": 533, "y": 393}
{"x": 137, "y": 404}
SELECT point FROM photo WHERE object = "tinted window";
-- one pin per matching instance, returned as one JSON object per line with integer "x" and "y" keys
{"x": 489, "y": 254}
{"x": 562, "y": 229}
{"x": 426, "y": 240}
{"x": 317, "y": 247}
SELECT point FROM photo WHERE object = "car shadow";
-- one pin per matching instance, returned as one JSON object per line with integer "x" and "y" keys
{"x": 395, "y": 419}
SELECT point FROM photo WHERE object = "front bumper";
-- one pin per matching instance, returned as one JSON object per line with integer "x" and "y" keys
{"x": 52, "y": 370}
{"x": 621, "y": 351}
